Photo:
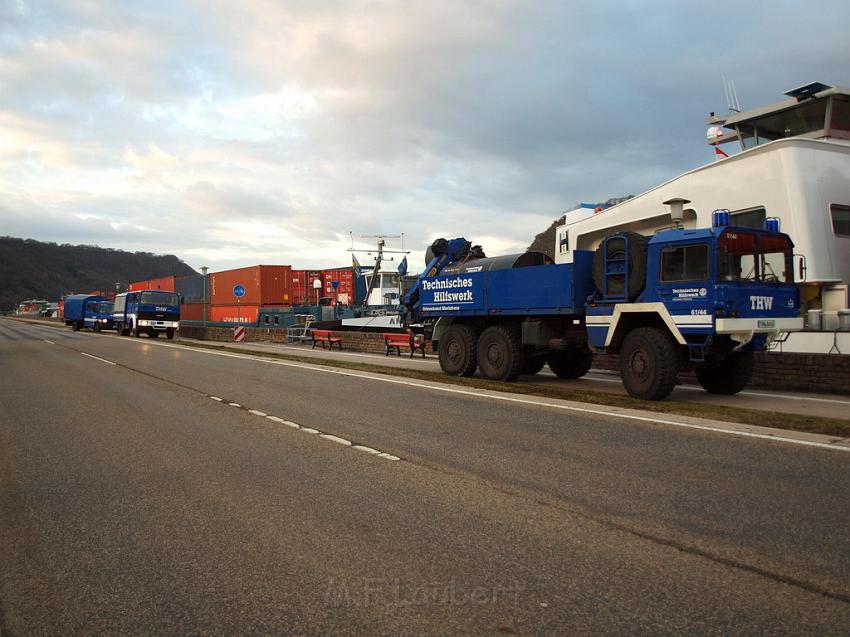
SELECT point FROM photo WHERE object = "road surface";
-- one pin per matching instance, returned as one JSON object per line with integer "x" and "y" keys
{"x": 148, "y": 489}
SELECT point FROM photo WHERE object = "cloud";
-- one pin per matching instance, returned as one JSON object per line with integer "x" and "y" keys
{"x": 232, "y": 133}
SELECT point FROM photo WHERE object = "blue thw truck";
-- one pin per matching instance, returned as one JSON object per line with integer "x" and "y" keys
{"x": 701, "y": 299}
{"x": 88, "y": 310}
{"x": 150, "y": 312}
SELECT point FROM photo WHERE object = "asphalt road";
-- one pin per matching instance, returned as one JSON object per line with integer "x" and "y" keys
{"x": 134, "y": 502}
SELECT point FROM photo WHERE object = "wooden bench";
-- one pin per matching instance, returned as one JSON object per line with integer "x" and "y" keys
{"x": 325, "y": 336}
{"x": 398, "y": 341}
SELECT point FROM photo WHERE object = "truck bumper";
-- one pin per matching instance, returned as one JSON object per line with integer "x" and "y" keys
{"x": 159, "y": 325}
{"x": 758, "y": 325}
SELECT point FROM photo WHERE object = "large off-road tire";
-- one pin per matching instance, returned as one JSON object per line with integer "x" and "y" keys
{"x": 456, "y": 351}
{"x": 649, "y": 363}
{"x": 573, "y": 362}
{"x": 135, "y": 330}
{"x": 76, "y": 326}
{"x": 169, "y": 333}
{"x": 727, "y": 376}
{"x": 636, "y": 264}
{"x": 124, "y": 329}
{"x": 499, "y": 353}
{"x": 152, "y": 333}
{"x": 532, "y": 363}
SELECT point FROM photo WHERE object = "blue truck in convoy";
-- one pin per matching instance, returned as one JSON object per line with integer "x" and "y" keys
{"x": 701, "y": 299}
{"x": 150, "y": 312}
{"x": 88, "y": 310}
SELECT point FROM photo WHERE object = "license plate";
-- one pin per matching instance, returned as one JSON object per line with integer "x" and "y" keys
{"x": 767, "y": 323}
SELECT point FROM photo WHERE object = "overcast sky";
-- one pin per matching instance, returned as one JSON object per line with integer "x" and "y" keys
{"x": 239, "y": 132}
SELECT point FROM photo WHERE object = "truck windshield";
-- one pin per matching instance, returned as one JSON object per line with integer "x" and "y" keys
{"x": 104, "y": 307}
{"x": 746, "y": 257}
{"x": 157, "y": 298}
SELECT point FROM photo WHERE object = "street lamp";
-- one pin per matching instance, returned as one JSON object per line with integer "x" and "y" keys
{"x": 204, "y": 284}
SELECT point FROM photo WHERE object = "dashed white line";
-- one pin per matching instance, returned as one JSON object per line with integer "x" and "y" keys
{"x": 336, "y": 439}
{"x": 234, "y": 404}
{"x": 49, "y": 342}
{"x": 257, "y": 413}
{"x": 98, "y": 358}
{"x": 388, "y": 456}
{"x": 308, "y": 430}
{"x": 217, "y": 398}
{"x": 289, "y": 423}
{"x": 374, "y": 452}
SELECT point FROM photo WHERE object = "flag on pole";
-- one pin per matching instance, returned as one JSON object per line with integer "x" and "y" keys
{"x": 719, "y": 153}
{"x": 356, "y": 265}
{"x": 402, "y": 267}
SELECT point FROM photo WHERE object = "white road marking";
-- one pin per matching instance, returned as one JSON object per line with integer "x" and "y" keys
{"x": 50, "y": 342}
{"x": 234, "y": 404}
{"x": 523, "y": 401}
{"x": 374, "y": 452}
{"x": 294, "y": 425}
{"x": 336, "y": 439}
{"x": 308, "y": 430}
{"x": 98, "y": 358}
{"x": 257, "y": 413}
{"x": 388, "y": 456}
{"x": 217, "y": 398}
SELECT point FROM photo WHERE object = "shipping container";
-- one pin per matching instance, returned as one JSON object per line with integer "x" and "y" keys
{"x": 165, "y": 283}
{"x": 346, "y": 290}
{"x": 193, "y": 288}
{"x": 263, "y": 285}
{"x": 193, "y": 312}
{"x": 241, "y": 314}
{"x": 303, "y": 292}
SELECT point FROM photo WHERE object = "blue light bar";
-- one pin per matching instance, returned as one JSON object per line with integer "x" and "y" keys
{"x": 771, "y": 224}
{"x": 719, "y": 218}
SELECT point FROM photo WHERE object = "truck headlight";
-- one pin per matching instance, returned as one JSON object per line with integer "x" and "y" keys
{"x": 144, "y": 323}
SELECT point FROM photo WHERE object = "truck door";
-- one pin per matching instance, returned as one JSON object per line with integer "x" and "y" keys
{"x": 684, "y": 285}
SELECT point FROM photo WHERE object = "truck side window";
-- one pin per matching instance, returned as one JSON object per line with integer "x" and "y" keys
{"x": 684, "y": 263}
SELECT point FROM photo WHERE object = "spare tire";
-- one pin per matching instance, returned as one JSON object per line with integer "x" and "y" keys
{"x": 636, "y": 263}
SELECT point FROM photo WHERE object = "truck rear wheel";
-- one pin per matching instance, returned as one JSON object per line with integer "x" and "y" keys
{"x": 76, "y": 326}
{"x": 649, "y": 363}
{"x": 728, "y": 376}
{"x": 573, "y": 362}
{"x": 499, "y": 354}
{"x": 456, "y": 351}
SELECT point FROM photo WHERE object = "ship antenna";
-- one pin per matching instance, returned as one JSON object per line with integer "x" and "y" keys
{"x": 731, "y": 93}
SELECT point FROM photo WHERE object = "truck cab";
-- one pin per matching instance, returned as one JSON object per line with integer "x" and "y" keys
{"x": 98, "y": 315}
{"x": 151, "y": 312}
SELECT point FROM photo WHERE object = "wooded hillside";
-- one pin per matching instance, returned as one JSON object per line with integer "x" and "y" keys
{"x": 31, "y": 269}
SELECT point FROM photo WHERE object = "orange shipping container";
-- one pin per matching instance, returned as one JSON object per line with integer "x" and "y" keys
{"x": 344, "y": 292}
{"x": 264, "y": 285}
{"x": 302, "y": 287}
{"x": 244, "y": 314}
{"x": 165, "y": 283}
{"x": 193, "y": 312}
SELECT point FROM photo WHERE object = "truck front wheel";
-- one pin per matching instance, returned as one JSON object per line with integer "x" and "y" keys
{"x": 169, "y": 333}
{"x": 456, "y": 351}
{"x": 728, "y": 376}
{"x": 649, "y": 363}
{"x": 499, "y": 354}
{"x": 573, "y": 362}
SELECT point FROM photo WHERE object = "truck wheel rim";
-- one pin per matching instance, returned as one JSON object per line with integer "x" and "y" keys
{"x": 639, "y": 365}
{"x": 494, "y": 356}
{"x": 455, "y": 353}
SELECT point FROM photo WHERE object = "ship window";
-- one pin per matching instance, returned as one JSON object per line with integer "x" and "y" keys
{"x": 840, "y": 113}
{"x": 840, "y": 220}
{"x": 806, "y": 118}
{"x": 277, "y": 320}
{"x": 266, "y": 319}
{"x": 748, "y": 218}
{"x": 684, "y": 263}
{"x": 563, "y": 243}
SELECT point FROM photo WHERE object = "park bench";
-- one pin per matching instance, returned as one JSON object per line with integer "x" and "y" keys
{"x": 325, "y": 336}
{"x": 397, "y": 341}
